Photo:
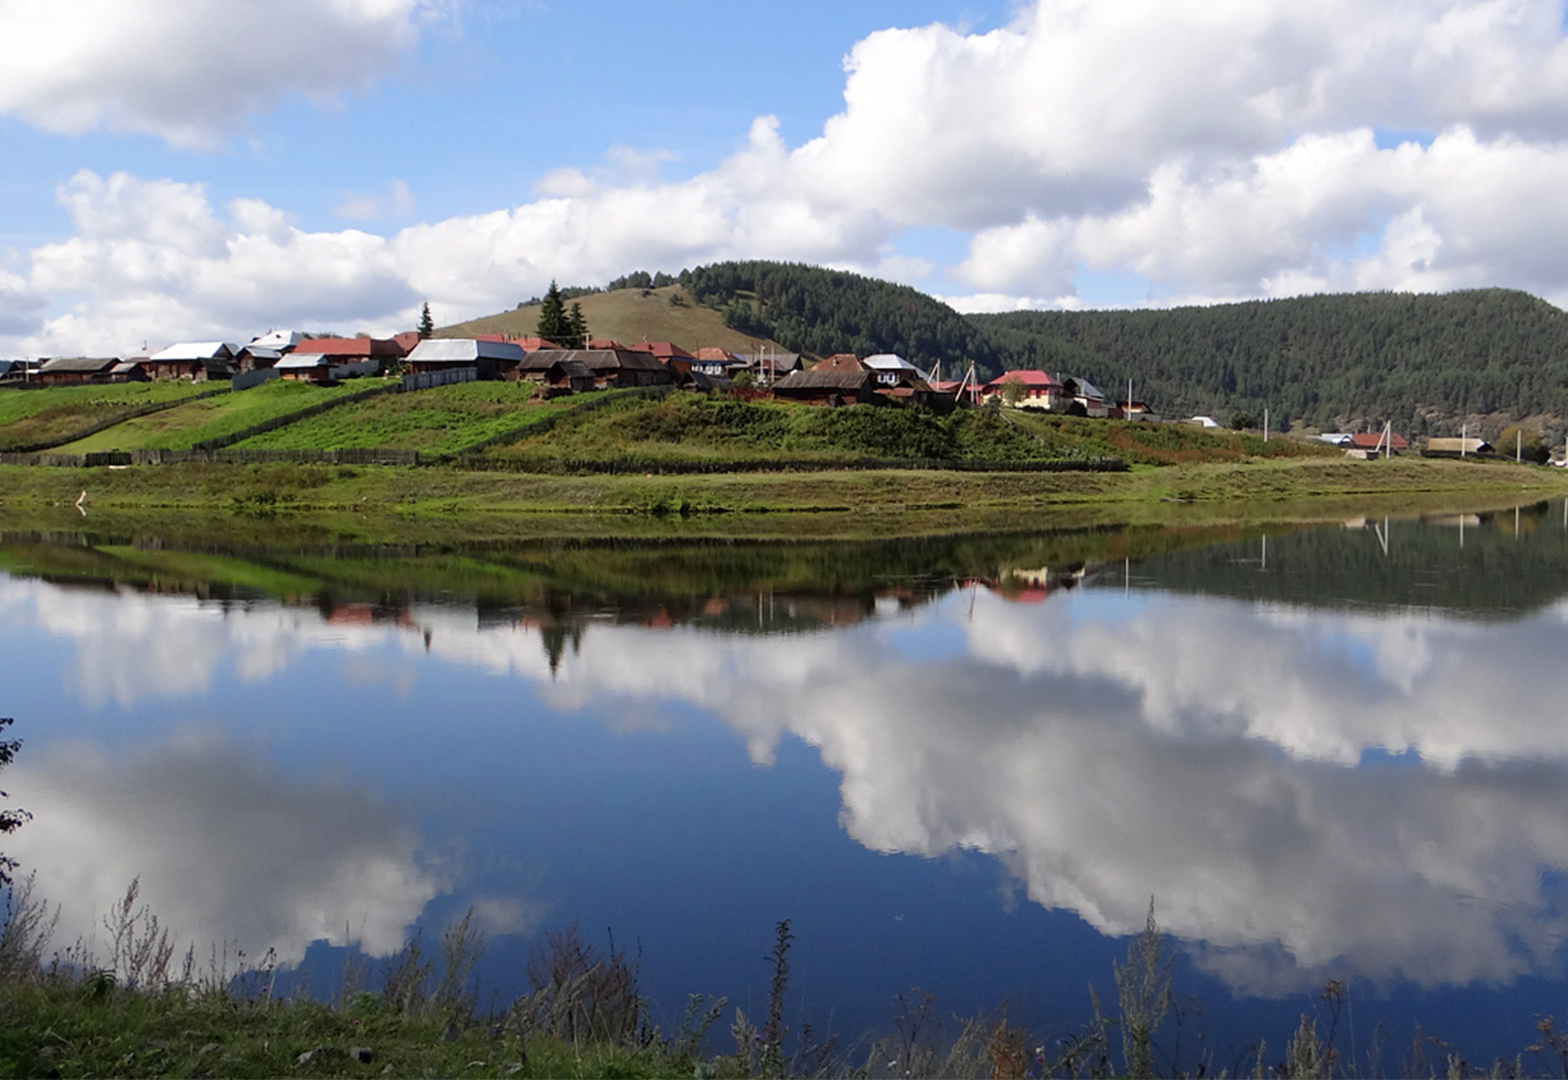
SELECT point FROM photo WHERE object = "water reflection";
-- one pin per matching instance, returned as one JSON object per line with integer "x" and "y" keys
{"x": 227, "y": 848}
{"x": 1326, "y": 752}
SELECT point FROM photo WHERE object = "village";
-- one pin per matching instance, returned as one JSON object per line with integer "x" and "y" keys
{"x": 423, "y": 362}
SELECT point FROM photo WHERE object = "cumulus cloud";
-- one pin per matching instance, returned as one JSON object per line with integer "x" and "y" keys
{"x": 1208, "y": 752}
{"x": 1213, "y": 150}
{"x": 226, "y": 849}
{"x": 190, "y": 71}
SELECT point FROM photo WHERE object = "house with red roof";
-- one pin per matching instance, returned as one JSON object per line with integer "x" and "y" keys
{"x": 1040, "y": 389}
{"x": 1373, "y": 440}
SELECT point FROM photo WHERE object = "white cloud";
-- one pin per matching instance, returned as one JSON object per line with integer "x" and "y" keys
{"x": 227, "y": 850}
{"x": 190, "y": 71}
{"x": 1203, "y": 751}
{"x": 1215, "y": 150}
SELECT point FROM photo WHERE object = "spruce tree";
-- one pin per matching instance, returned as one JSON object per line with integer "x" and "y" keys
{"x": 554, "y": 323}
{"x": 427, "y": 325}
{"x": 579, "y": 325}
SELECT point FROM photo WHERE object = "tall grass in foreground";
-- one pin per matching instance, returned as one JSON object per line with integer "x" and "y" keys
{"x": 139, "y": 1007}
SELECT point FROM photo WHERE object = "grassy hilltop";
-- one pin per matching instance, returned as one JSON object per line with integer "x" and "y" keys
{"x": 630, "y": 316}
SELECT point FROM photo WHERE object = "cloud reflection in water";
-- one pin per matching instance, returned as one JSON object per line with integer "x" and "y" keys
{"x": 1205, "y": 752}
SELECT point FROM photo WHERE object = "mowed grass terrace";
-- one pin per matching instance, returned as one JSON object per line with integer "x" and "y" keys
{"x": 28, "y": 417}
{"x": 439, "y": 420}
{"x": 184, "y": 426}
{"x": 694, "y": 428}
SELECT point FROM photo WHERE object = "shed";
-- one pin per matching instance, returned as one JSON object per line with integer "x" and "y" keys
{"x": 494, "y": 359}
{"x": 65, "y": 370}
{"x": 195, "y": 360}
{"x": 827, "y": 387}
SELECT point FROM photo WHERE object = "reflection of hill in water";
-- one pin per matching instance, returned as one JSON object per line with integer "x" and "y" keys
{"x": 1480, "y": 567}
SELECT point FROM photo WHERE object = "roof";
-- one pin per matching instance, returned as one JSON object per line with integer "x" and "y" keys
{"x": 841, "y": 362}
{"x": 193, "y": 350}
{"x": 711, "y": 352}
{"x": 1471, "y": 445}
{"x": 889, "y": 362}
{"x": 1367, "y": 440}
{"x": 1027, "y": 376}
{"x": 596, "y": 360}
{"x": 407, "y": 340}
{"x": 817, "y": 379}
{"x": 529, "y": 344}
{"x": 354, "y": 346}
{"x": 301, "y": 361}
{"x": 664, "y": 350}
{"x": 277, "y": 339}
{"x": 604, "y": 343}
{"x": 463, "y": 351}
{"x": 260, "y": 353}
{"x": 1083, "y": 388}
{"x": 78, "y": 365}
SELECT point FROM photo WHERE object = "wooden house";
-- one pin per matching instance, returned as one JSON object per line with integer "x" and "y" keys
{"x": 194, "y": 360}
{"x": 492, "y": 359}
{"x": 70, "y": 370}
{"x": 819, "y": 387}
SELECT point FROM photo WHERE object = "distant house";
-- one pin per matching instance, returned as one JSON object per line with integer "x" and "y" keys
{"x": 771, "y": 366}
{"x": 1372, "y": 441}
{"x": 66, "y": 370}
{"x": 818, "y": 387}
{"x": 355, "y": 350}
{"x": 1340, "y": 439}
{"x": 716, "y": 361}
{"x": 1204, "y": 421}
{"x": 281, "y": 341}
{"x": 841, "y": 361}
{"x": 1040, "y": 390}
{"x": 533, "y": 344}
{"x": 493, "y": 359}
{"x": 1458, "y": 447}
{"x": 891, "y": 369}
{"x": 305, "y": 367}
{"x": 1087, "y": 395}
{"x": 407, "y": 340}
{"x": 194, "y": 360}
{"x": 663, "y": 350}
{"x": 615, "y": 368}
{"x": 556, "y": 369}
{"x": 1136, "y": 410}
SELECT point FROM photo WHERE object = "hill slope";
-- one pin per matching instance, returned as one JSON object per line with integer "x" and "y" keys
{"x": 629, "y": 316}
{"x": 1428, "y": 363}
{"x": 1425, "y": 362}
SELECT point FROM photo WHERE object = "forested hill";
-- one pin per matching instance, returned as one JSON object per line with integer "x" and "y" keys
{"x": 1337, "y": 362}
{"x": 812, "y": 310}
{"x": 1424, "y": 362}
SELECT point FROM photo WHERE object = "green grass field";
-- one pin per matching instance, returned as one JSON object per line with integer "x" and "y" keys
{"x": 689, "y": 427}
{"x": 35, "y": 416}
{"x": 440, "y": 420}
{"x": 182, "y": 427}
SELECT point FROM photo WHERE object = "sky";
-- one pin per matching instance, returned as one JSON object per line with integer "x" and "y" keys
{"x": 203, "y": 169}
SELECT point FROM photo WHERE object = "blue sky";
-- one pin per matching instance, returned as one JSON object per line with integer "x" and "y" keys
{"x": 204, "y": 168}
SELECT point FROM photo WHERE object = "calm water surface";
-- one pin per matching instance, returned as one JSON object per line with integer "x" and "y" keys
{"x": 963, "y": 764}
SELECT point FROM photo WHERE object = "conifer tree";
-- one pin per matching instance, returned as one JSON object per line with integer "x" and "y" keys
{"x": 427, "y": 325}
{"x": 554, "y": 323}
{"x": 579, "y": 325}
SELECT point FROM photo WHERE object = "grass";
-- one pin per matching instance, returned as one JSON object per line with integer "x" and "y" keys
{"x": 182, "y": 427}
{"x": 628, "y": 316}
{"x": 693, "y": 428}
{"x": 142, "y": 1011}
{"x": 439, "y": 420}
{"x": 28, "y": 417}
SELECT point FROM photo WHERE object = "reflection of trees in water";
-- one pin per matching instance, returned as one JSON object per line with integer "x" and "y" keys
{"x": 1486, "y": 566}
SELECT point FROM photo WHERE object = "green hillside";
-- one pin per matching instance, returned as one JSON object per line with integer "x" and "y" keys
{"x": 1428, "y": 363}
{"x": 629, "y": 316}
{"x": 438, "y": 420}
{"x": 41, "y": 415}
{"x": 693, "y": 428}
{"x": 185, "y": 425}
{"x": 1337, "y": 362}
